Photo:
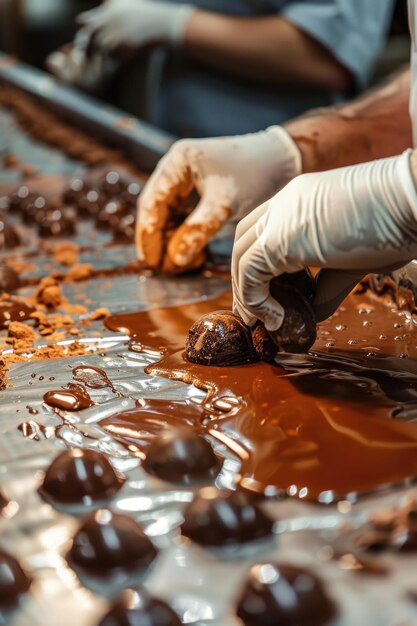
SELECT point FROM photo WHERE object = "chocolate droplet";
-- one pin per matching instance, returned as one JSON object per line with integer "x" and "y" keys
{"x": 107, "y": 543}
{"x": 183, "y": 457}
{"x": 68, "y": 399}
{"x": 220, "y": 338}
{"x": 283, "y": 594}
{"x": 225, "y": 518}
{"x": 137, "y": 608}
{"x": 14, "y": 582}
{"x": 80, "y": 476}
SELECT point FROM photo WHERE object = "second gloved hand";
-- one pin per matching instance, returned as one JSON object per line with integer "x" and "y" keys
{"x": 135, "y": 23}
{"x": 232, "y": 175}
{"x": 350, "y": 221}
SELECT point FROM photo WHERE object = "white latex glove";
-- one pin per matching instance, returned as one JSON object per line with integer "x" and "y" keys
{"x": 135, "y": 23}
{"x": 352, "y": 220}
{"x": 232, "y": 175}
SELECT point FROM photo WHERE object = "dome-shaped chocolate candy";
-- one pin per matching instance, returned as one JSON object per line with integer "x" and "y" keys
{"x": 183, "y": 457}
{"x": 225, "y": 518}
{"x": 284, "y": 594}
{"x": 108, "y": 543}
{"x": 79, "y": 476}
{"x": 220, "y": 338}
{"x": 9, "y": 279}
{"x": 14, "y": 582}
{"x": 137, "y": 608}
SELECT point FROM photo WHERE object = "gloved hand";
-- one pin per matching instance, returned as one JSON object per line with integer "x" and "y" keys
{"x": 135, "y": 23}
{"x": 352, "y": 220}
{"x": 232, "y": 175}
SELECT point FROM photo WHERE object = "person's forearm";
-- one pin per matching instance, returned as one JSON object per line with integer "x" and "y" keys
{"x": 265, "y": 48}
{"x": 374, "y": 126}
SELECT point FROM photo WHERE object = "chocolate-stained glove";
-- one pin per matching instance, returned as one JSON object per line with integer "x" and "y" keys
{"x": 351, "y": 221}
{"x": 135, "y": 23}
{"x": 232, "y": 175}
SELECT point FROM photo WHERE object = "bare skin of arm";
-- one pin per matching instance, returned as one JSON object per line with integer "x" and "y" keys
{"x": 268, "y": 49}
{"x": 374, "y": 126}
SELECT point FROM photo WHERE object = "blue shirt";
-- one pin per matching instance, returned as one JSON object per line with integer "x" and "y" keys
{"x": 193, "y": 100}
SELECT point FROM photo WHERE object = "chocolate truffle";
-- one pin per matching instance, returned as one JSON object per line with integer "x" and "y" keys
{"x": 124, "y": 229}
{"x": 224, "y": 519}
{"x": 283, "y": 594}
{"x": 113, "y": 183}
{"x": 9, "y": 279}
{"x": 131, "y": 194}
{"x": 138, "y": 608}
{"x": 220, "y": 338}
{"x": 110, "y": 215}
{"x": 19, "y": 198}
{"x": 14, "y": 582}
{"x": 9, "y": 237}
{"x": 183, "y": 457}
{"x": 57, "y": 222}
{"x": 298, "y": 331}
{"x": 90, "y": 204}
{"x": 33, "y": 210}
{"x": 79, "y": 476}
{"x": 109, "y": 543}
{"x": 77, "y": 188}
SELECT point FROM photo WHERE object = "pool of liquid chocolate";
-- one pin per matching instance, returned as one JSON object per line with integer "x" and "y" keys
{"x": 316, "y": 426}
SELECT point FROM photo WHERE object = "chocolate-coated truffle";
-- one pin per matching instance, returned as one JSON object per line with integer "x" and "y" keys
{"x": 131, "y": 194}
{"x": 9, "y": 279}
{"x": 110, "y": 214}
{"x": 221, "y": 518}
{"x": 77, "y": 188}
{"x": 113, "y": 183}
{"x": 183, "y": 457}
{"x": 124, "y": 229}
{"x": 138, "y": 608}
{"x": 57, "y": 222}
{"x": 283, "y": 594}
{"x": 9, "y": 237}
{"x": 298, "y": 331}
{"x": 79, "y": 476}
{"x": 108, "y": 543}
{"x": 19, "y": 198}
{"x": 33, "y": 210}
{"x": 219, "y": 338}
{"x": 90, "y": 204}
{"x": 14, "y": 582}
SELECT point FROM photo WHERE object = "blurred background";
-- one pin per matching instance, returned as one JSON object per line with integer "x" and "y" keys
{"x": 32, "y": 29}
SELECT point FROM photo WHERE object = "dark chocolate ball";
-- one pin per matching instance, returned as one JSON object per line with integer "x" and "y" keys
{"x": 57, "y": 222}
{"x": 14, "y": 582}
{"x": 183, "y": 457}
{"x": 77, "y": 188}
{"x": 9, "y": 279}
{"x": 19, "y": 198}
{"x": 90, "y": 203}
{"x": 124, "y": 229}
{"x": 137, "y": 608}
{"x": 298, "y": 331}
{"x": 110, "y": 214}
{"x": 108, "y": 543}
{"x": 219, "y": 338}
{"x": 113, "y": 183}
{"x": 225, "y": 518}
{"x": 33, "y": 210}
{"x": 9, "y": 237}
{"x": 131, "y": 194}
{"x": 79, "y": 476}
{"x": 283, "y": 594}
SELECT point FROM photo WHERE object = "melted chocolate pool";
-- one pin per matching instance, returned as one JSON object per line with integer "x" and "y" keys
{"x": 317, "y": 427}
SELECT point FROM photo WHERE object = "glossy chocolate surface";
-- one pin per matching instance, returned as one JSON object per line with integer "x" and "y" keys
{"x": 181, "y": 457}
{"x": 138, "y": 608}
{"x": 80, "y": 476}
{"x": 74, "y": 399}
{"x": 219, "y": 338}
{"x": 321, "y": 433}
{"x": 108, "y": 542}
{"x": 14, "y": 582}
{"x": 284, "y": 594}
{"x": 9, "y": 279}
{"x": 14, "y": 310}
{"x": 225, "y": 519}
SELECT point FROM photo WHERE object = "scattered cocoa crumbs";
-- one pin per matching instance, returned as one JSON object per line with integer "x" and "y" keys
{"x": 11, "y": 161}
{"x": 21, "y": 337}
{"x": 66, "y": 253}
{"x": 49, "y": 293}
{"x": 99, "y": 314}
{"x": 79, "y": 272}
